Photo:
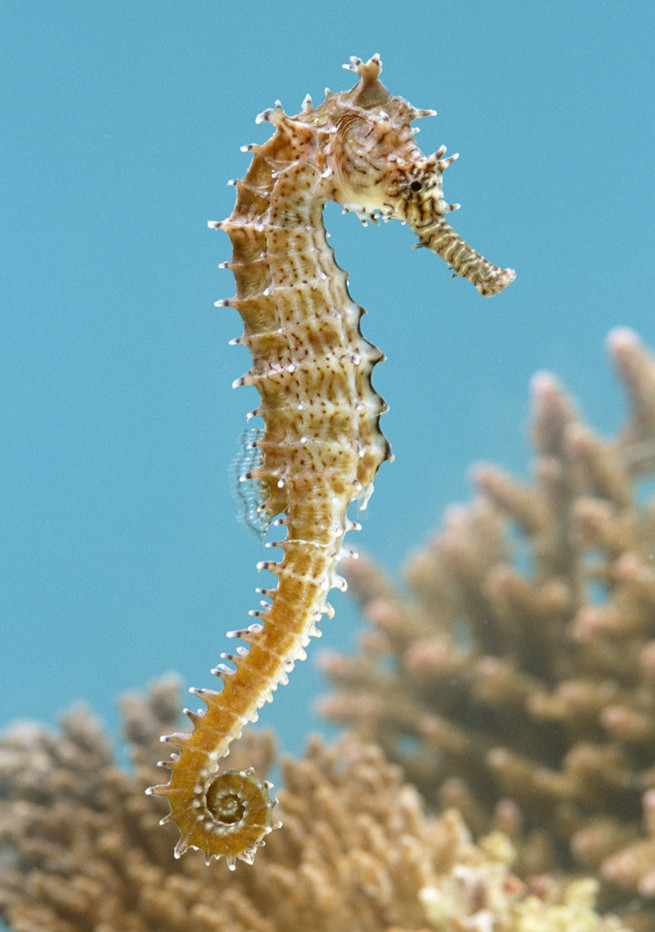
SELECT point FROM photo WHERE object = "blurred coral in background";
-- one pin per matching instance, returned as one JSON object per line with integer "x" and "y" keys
{"x": 515, "y": 679}
{"x": 82, "y": 850}
{"x": 499, "y": 765}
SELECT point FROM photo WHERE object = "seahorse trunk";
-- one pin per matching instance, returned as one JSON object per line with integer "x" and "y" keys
{"x": 321, "y": 447}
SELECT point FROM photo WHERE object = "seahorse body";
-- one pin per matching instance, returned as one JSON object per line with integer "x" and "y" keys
{"x": 321, "y": 444}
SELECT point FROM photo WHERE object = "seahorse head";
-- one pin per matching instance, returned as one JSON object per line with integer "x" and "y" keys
{"x": 371, "y": 156}
{"x": 372, "y": 166}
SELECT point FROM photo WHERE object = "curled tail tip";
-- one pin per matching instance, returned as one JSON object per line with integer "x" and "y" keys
{"x": 226, "y": 816}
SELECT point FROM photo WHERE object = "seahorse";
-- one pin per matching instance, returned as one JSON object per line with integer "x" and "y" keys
{"x": 321, "y": 444}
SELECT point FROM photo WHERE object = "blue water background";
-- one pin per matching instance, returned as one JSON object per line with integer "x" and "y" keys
{"x": 121, "y": 554}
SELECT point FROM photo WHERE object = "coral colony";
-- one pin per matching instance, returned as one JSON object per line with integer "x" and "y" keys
{"x": 520, "y": 786}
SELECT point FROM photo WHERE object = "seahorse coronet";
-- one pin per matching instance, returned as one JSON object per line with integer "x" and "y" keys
{"x": 320, "y": 445}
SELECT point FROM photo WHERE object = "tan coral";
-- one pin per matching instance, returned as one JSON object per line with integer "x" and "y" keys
{"x": 82, "y": 851}
{"x": 518, "y": 678}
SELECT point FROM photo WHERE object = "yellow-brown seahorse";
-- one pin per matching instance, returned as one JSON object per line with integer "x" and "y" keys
{"x": 321, "y": 444}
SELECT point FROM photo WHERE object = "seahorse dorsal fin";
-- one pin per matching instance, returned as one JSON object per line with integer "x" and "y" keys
{"x": 251, "y": 491}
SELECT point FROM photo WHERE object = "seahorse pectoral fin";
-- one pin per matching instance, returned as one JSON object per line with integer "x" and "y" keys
{"x": 440, "y": 238}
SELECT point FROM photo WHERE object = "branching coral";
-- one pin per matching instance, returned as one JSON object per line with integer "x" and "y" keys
{"x": 518, "y": 678}
{"x": 81, "y": 849}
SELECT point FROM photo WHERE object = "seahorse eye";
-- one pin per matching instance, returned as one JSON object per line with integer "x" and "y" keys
{"x": 415, "y": 186}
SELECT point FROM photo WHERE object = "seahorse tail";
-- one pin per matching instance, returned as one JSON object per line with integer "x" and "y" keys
{"x": 229, "y": 814}
{"x": 224, "y": 814}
